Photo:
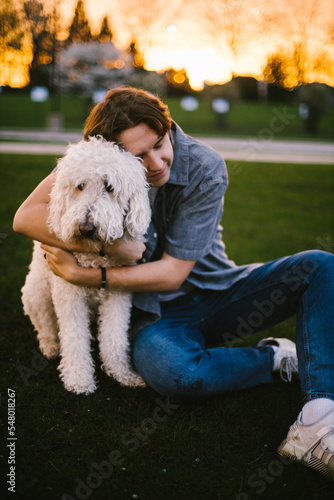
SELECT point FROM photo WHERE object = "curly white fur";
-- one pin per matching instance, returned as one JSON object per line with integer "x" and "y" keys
{"x": 101, "y": 189}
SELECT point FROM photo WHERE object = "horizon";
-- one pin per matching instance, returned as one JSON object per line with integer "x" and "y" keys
{"x": 212, "y": 48}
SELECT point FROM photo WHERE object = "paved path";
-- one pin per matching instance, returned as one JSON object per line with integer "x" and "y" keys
{"x": 242, "y": 149}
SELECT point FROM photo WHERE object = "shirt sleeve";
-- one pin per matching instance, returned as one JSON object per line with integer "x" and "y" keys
{"x": 194, "y": 222}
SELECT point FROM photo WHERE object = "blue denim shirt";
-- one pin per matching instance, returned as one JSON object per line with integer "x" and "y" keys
{"x": 186, "y": 223}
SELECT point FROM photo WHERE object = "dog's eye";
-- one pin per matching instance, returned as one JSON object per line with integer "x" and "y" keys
{"x": 81, "y": 186}
{"x": 108, "y": 187}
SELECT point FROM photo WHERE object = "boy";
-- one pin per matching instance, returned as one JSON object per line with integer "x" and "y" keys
{"x": 188, "y": 294}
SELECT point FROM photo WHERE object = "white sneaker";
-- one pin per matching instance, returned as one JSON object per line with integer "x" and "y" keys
{"x": 285, "y": 357}
{"x": 312, "y": 445}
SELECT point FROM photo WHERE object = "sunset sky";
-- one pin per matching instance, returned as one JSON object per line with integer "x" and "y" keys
{"x": 211, "y": 39}
{"x": 180, "y": 32}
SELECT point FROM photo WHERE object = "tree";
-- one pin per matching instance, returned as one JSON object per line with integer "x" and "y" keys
{"x": 56, "y": 44}
{"x": 177, "y": 82}
{"x": 38, "y": 25}
{"x": 79, "y": 30}
{"x": 230, "y": 25}
{"x": 317, "y": 98}
{"x": 105, "y": 34}
{"x": 276, "y": 70}
{"x": 11, "y": 32}
{"x": 148, "y": 80}
{"x": 11, "y": 38}
{"x": 138, "y": 58}
{"x": 302, "y": 23}
{"x": 145, "y": 21}
{"x": 86, "y": 67}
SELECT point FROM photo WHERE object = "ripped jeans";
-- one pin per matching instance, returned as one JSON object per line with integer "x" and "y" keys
{"x": 174, "y": 356}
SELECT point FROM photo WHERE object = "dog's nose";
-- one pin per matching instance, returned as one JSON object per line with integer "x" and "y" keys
{"x": 87, "y": 230}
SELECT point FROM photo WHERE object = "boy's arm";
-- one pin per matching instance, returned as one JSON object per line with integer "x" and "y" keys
{"x": 31, "y": 220}
{"x": 166, "y": 274}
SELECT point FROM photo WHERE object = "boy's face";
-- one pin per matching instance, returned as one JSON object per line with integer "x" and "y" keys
{"x": 156, "y": 152}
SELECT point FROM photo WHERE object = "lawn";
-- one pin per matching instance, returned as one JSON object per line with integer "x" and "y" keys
{"x": 244, "y": 119}
{"x": 121, "y": 443}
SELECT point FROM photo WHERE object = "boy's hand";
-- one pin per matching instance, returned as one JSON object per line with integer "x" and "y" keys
{"x": 125, "y": 253}
{"x": 63, "y": 264}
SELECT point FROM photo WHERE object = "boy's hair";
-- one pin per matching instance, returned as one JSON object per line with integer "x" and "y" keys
{"x": 125, "y": 108}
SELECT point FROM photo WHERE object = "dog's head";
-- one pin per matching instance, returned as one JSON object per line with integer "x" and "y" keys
{"x": 100, "y": 193}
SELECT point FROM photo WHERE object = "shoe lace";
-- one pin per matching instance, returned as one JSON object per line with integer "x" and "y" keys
{"x": 325, "y": 448}
{"x": 289, "y": 365}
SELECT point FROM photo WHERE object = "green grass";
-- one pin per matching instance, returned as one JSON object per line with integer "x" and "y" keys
{"x": 18, "y": 110}
{"x": 245, "y": 118}
{"x": 263, "y": 121}
{"x": 221, "y": 448}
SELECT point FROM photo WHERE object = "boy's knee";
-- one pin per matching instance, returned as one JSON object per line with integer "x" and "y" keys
{"x": 170, "y": 371}
{"x": 315, "y": 260}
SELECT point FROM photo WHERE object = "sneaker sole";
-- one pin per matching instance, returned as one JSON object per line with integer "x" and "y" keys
{"x": 313, "y": 463}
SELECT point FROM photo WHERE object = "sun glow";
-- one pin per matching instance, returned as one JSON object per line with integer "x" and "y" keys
{"x": 200, "y": 64}
{"x": 182, "y": 41}
{"x": 14, "y": 69}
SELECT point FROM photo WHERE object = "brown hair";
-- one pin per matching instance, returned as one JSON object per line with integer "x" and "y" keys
{"x": 124, "y": 108}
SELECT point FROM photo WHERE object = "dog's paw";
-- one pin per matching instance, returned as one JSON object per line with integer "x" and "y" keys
{"x": 130, "y": 379}
{"x": 49, "y": 349}
{"x": 80, "y": 388}
{"x": 137, "y": 382}
{"x": 77, "y": 380}
{"x": 133, "y": 380}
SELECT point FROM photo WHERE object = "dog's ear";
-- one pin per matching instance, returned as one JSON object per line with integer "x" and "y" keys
{"x": 139, "y": 214}
{"x": 58, "y": 200}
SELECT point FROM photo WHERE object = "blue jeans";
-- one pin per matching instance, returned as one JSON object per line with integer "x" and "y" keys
{"x": 174, "y": 355}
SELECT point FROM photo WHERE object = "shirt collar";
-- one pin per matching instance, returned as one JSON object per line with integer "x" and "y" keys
{"x": 179, "y": 173}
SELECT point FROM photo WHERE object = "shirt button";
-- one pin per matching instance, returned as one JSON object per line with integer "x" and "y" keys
{"x": 155, "y": 235}
{"x": 143, "y": 260}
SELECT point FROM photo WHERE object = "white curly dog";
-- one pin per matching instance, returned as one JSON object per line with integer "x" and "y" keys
{"x": 100, "y": 193}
